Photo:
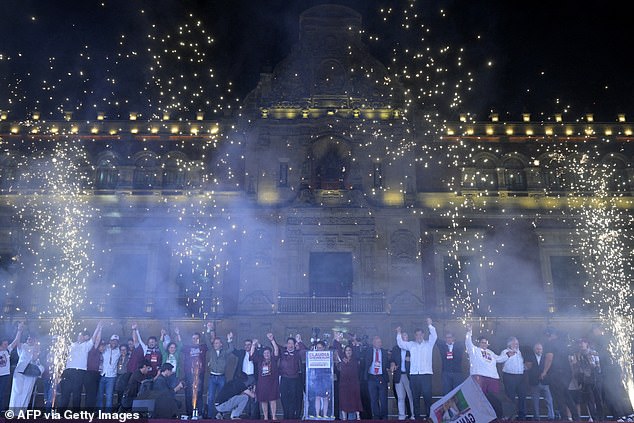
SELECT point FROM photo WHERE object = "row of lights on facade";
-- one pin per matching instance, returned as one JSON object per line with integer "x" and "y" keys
{"x": 526, "y": 117}
{"x": 495, "y": 117}
{"x": 100, "y": 116}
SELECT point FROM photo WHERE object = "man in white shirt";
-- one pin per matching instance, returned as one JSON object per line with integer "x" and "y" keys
{"x": 483, "y": 363}
{"x": 513, "y": 375}
{"x": 421, "y": 369}
{"x": 5, "y": 366}
{"x": 110, "y": 358}
{"x": 76, "y": 364}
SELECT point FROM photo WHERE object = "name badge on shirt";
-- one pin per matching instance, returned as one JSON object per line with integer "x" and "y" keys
{"x": 449, "y": 355}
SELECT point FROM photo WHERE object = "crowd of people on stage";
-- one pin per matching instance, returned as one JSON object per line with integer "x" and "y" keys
{"x": 212, "y": 377}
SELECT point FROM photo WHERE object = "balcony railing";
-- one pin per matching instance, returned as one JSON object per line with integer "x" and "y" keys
{"x": 356, "y": 303}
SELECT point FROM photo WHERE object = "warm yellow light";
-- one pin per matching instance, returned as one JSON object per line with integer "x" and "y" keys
{"x": 608, "y": 131}
{"x": 3, "y": 116}
{"x": 558, "y": 117}
{"x": 495, "y": 117}
{"x": 68, "y": 116}
{"x": 100, "y": 116}
{"x": 589, "y": 130}
{"x": 621, "y": 117}
{"x": 529, "y": 131}
{"x": 134, "y": 130}
{"x": 548, "y": 131}
{"x": 356, "y": 113}
{"x": 526, "y": 117}
{"x": 590, "y": 117}
{"x": 470, "y": 131}
{"x": 200, "y": 115}
{"x": 509, "y": 131}
{"x": 166, "y": 116}
{"x": 113, "y": 132}
{"x": 265, "y": 113}
{"x": 489, "y": 130}
{"x": 463, "y": 117}
{"x": 330, "y": 112}
{"x": 94, "y": 130}
{"x": 450, "y": 131}
{"x": 36, "y": 115}
{"x": 154, "y": 130}
{"x": 15, "y": 129}
{"x": 393, "y": 198}
{"x": 133, "y": 115}
{"x": 174, "y": 129}
{"x": 214, "y": 129}
{"x": 194, "y": 131}
{"x": 569, "y": 131}
{"x": 74, "y": 129}
{"x": 35, "y": 130}
{"x": 54, "y": 130}
{"x": 628, "y": 132}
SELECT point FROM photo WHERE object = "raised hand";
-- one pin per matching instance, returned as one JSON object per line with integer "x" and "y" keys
{"x": 270, "y": 337}
{"x": 134, "y": 326}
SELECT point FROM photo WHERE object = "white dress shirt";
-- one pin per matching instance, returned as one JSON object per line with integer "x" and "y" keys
{"x": 512, "y": 365}
{"x": 78, "y": 355}
{"x": 110, "y": 359}
{"x": 420, "y": 353}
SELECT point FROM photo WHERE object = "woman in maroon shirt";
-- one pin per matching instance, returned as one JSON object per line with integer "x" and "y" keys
{"x": 349, "y": 386}
{"x": 268, "y": 388}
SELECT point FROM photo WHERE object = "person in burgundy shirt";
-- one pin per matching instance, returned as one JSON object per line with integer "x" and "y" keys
{"x": 290, "y": 377}
{"x": 93, "y": 374}
{"x": 194, "y": 358}
{"x": 150, "y": 352}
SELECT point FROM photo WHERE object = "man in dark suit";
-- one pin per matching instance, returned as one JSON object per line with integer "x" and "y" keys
{"x": 451, "y": 354}
{"x": 534, "y": 363}
{"x": 376, "y": 367}
{"x": 402, "y": 389}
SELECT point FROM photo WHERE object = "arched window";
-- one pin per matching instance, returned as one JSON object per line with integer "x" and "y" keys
{"x": 145, "y": 173}
{"x": 331, "y": 171}
{"x": 514, "y": 175}
{"x": 107, "y": 174}
{"x": 486, "y": 174}
{"x": 551, "y": 171}
{"x": 174, "y": 173}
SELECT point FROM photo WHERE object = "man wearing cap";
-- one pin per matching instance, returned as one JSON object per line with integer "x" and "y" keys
{"x": 110, "y": 358}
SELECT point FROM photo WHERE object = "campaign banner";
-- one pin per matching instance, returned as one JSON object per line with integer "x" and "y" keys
{"x": 465, "y": 404}
{"x": 318, "y": 359}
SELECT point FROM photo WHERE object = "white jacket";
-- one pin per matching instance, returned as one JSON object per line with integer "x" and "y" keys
{"x": 482, "y": 362}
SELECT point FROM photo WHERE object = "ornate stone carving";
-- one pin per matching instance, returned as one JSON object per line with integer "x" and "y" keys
{"x": 403, "y": 247}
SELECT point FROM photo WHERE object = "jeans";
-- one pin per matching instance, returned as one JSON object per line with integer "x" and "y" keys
{"x": 216, "y": 382}
{"x": 235, "y": 404}
{"x": 536, "y": 391}
{"x": 106, "y": 386}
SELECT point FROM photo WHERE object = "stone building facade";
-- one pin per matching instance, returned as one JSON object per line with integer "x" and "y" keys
{"x": 328, "y": 204}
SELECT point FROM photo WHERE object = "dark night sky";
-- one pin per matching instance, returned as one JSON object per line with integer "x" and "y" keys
{"x": 541, "y": 52}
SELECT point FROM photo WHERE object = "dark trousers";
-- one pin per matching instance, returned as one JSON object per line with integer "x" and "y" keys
{"x": 291, "y": 397}
{"x": 189, "y": 394}
{"x": 377, "y": 387}
{"x": 71, "y": 385}
{"x": 514, "y": 386}
{"x": 451, "y": 380}
{"x": 561, "y": 396}
{"x": 91, "y": 386}
{"x": 5, "y": 391}
{"x": 421, "y": 385}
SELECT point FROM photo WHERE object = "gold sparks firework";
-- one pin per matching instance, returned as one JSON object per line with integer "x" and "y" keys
{"x": 53, "y": 211}
{"x": 603, "y": 232}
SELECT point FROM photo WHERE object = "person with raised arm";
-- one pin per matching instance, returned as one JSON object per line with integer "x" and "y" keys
{"x": 421, "y": 370}
{"x": 74, "y": 374}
